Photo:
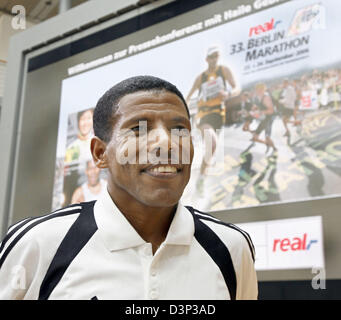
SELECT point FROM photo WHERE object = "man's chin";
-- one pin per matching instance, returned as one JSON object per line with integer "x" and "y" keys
{"x": 93, "y": 183}
{"x": 161, "y": 200}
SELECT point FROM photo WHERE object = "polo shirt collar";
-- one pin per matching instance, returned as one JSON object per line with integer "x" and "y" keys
{"x": 117, "y": 233}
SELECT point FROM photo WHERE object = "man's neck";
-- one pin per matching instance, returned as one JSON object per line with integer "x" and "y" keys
{"x": 212, "y": 69}
{"x": 95, "y": 188}
{"x": 83, "y": 137}
{"x": 151, "y": 223}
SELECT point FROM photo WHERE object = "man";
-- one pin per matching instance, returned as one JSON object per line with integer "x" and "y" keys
{"x": 213, "y": 91}
{"x": 263, "y": 110}
{"x": 92, "y": 188}
{"x": 245, "y": 108}
{"x": 137, "y": 241}
{"x": 288, "y": 103}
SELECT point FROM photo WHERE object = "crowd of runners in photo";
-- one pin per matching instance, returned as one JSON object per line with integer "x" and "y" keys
{"x": 288, "y": 99}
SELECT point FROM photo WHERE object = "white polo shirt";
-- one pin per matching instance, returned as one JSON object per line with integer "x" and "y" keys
{"x": 91, "y": 251}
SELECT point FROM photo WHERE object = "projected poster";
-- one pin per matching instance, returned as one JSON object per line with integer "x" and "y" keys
{"x": 266, "y": 81}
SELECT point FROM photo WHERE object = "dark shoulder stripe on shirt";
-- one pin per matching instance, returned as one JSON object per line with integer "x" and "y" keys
{"x": 208, "y": 217}
{"x": 32, "y": 225}
{"x": 76, "y": 238}
{"x": 25, "y": 220}
{"x": 219, "y": 253}
{"x": 219, "y": 221}
{"x": 14, "y": 228}
{"x": 232, "y": 226}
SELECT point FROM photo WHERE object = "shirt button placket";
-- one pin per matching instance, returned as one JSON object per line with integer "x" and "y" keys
{"x": 153, "y": 290}
{"x": 154, "y": 293}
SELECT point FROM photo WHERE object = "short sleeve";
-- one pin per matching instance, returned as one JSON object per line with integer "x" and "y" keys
{"x": 19, "y": 263}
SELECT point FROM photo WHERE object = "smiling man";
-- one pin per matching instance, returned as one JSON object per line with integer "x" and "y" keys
{"x": 137, "y": 241}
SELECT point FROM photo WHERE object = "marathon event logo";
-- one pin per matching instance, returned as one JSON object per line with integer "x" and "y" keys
{"x": 293, "y": 244}
{"x": 271, "y": 42}
{"x": 307, "y": 19}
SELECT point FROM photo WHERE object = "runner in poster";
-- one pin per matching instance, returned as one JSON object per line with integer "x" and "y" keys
{"x": 215, "y": 86}
{"x": 245, "y": 108}
{"x": 288, "y": 108}
{"x": 263, "y": 110}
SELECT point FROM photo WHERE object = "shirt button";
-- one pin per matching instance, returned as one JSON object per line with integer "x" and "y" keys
{"x": 154, "y": 295}
{"x": 153, "y": 273}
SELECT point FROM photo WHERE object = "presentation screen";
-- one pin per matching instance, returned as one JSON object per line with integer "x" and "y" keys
{"x": 263, "y": 84}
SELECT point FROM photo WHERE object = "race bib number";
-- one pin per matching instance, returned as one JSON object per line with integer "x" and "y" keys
{"x": 212, "y": 88}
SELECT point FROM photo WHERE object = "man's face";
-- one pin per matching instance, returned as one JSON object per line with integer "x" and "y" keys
{"x": 153, "y": 184}
{"x": 92, "y": 173}
{"x": 212, "y": 60}
{"x": 85, "y": 123}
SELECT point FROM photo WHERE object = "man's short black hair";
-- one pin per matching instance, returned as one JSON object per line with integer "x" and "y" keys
{"x": 108, "y": 103}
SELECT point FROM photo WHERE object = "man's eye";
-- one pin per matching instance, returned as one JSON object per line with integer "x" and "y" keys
{"x": 137, "y": 128}
{"x": 179, "y": 127}
{"x": 180, "y": 131}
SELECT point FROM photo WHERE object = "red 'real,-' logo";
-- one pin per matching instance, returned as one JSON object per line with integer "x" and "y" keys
{"x": 293, "y": 244}
{"x": 261, "y": 28}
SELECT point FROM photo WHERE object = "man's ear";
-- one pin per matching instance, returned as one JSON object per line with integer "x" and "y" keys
{"x": 98, "y": 151}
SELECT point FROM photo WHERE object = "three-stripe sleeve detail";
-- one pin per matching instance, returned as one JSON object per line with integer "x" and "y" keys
{"x": 27, "y": 226}
{"x": 76, "y": 238}
{"x": 219, "y": 253}
{"x": 20, "y": 224}
{"x": 208, "y": 217}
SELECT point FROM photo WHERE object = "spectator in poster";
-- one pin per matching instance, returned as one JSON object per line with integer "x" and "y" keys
{"x": 79, "y": 149}
{"x": 333, "y": 96}
{"x": 214, "y": 86}
{"x": 322, "y": 94}
{"x": 93, "y": 188}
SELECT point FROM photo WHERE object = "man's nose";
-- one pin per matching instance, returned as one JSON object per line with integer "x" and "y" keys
{"x": 160, "y": 138}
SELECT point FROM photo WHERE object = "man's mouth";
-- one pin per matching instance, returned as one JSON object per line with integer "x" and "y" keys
{"x": 162, "y": 171}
